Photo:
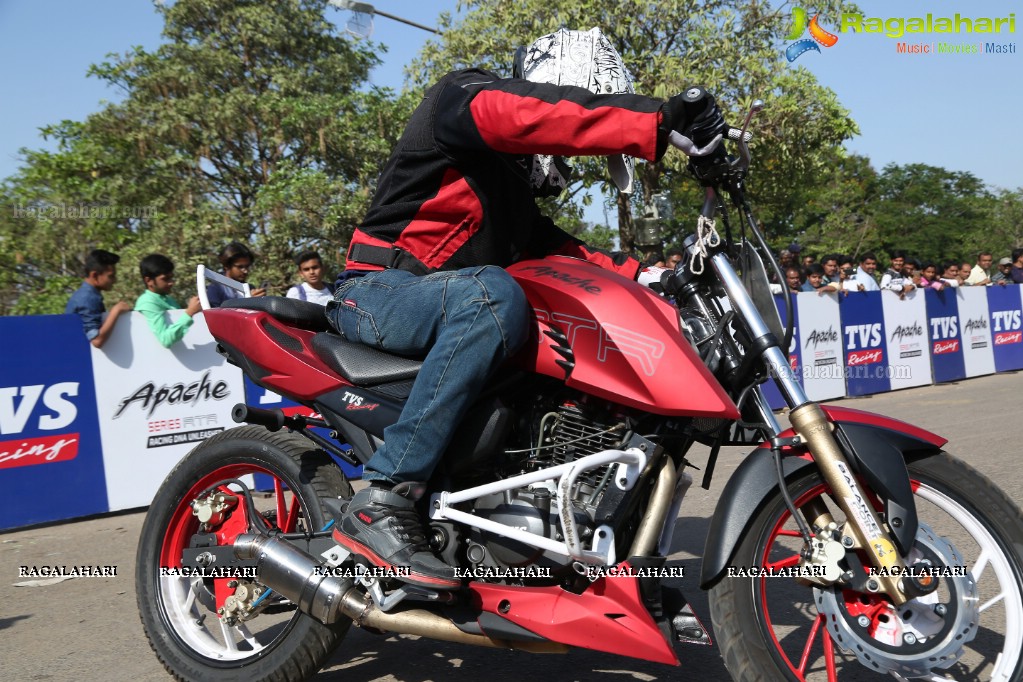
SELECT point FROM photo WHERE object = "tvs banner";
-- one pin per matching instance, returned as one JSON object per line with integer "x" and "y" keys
{"x": 155, "y": 404}
{"x": 51, "y": 464}
{"x": 1006, "y": 307}
{"x": 975, "y": 329}
{"x": 946, "y": 343}
{"x": 820, "y": 348}
{"x": 909, "y": 357}
{"x": 863, "y": 331}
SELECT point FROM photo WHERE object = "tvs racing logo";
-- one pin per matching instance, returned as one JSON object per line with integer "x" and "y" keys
{"x": 865, "y": 357}
{"x": 1008, "y": 337}
{"x": 1007, "y": 327}
{"x": 18, "y": 404}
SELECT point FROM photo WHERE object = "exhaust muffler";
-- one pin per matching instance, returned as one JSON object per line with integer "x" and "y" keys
{"x": 301, "y": 578}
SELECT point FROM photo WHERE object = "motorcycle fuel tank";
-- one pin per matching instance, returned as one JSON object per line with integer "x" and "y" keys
{"x": 611, "y": 337}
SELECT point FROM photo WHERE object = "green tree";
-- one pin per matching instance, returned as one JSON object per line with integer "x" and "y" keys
{"x": 931, "y": 212}
{"x": 252, "y": 122}
{"x": 837, "y": 215}
{"x": 1005, "y": 231}
{"x": 730, "y": 46}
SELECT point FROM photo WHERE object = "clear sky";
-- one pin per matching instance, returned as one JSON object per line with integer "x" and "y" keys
{"x": 956, "y": 111}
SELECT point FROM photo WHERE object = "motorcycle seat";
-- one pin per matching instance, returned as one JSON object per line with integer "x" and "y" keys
{"x": 290, "y": 311}
{"x": 360, "y": 364}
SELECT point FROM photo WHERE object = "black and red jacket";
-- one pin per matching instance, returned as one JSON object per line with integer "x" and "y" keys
{"x": 456, "y": 192}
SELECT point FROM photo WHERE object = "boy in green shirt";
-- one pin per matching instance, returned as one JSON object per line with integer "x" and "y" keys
{"x": 158, "y": 274}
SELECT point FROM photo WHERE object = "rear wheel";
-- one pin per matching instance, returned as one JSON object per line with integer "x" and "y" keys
{"x": 184, "y": 617}
{"x": 970, "y": 629}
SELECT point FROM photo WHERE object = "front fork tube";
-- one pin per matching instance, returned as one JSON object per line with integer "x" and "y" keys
{"x": 812, "y": 425}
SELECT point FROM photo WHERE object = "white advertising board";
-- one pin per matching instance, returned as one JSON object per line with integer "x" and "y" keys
{"x": 820, "y": 339}
{"x": 155, "y": 404}
{"x": 975, "y": 329}
{"x": 909, "y": 353}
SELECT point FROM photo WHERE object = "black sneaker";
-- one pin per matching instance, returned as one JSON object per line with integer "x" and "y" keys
{"x": 383, "y": 526}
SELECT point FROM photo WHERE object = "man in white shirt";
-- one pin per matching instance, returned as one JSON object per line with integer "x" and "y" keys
{"x": 865, "y": 273}
{"x": 980, "y": 275}
{"x": 313, "y": 288}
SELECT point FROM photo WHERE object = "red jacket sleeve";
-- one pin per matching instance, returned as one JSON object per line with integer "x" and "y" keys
{"x": 516, "y": 116}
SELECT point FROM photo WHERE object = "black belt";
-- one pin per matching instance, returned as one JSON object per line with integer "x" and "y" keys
{"x": 393, "y": 257}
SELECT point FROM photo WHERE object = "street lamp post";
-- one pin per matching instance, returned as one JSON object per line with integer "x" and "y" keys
{"x": 367, "y": 8}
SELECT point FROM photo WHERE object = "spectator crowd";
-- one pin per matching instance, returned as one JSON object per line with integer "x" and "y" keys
{"x": 832, "y": 273}
{"x": 840, "y": 273}
{"x": 155, "y": 300}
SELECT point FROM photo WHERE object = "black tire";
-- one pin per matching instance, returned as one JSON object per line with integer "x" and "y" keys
{"x": 763, "y": 624}
{"x": 289, "y": 645}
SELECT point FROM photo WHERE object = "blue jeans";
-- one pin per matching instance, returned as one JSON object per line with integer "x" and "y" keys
{"x": 466, "y": 321}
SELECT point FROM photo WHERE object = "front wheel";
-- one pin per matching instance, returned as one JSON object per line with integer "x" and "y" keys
{"x": 230, "y": 628}
{"x": 971, "y": 628}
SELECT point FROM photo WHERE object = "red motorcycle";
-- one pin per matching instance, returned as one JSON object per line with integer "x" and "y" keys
{"x": 849, "y": 542}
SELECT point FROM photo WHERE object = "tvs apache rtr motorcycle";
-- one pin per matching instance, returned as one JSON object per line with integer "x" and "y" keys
{"x": 857, "y": 546}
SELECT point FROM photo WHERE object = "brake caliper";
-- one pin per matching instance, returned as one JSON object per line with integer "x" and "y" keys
{"x": 214, "y": 508}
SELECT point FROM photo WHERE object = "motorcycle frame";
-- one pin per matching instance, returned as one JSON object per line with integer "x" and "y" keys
{"x": 630, "y": 464}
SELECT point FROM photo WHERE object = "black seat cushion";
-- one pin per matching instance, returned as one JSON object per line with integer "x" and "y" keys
{"x": 362, "y": 365}
{"x": 302, "y": 314}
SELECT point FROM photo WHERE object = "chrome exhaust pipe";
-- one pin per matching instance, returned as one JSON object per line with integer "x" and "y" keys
{"x": 300, "y": 577}
{"x": 289, "y": 571}
{"x": 651, "y": 526}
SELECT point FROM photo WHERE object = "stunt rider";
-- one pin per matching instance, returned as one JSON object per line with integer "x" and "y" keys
{"x": 454, "y": 205}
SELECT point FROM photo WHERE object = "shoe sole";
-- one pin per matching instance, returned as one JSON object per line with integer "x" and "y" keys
{"x": 413, "y": 577}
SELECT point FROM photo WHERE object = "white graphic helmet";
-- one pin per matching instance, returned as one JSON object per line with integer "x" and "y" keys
{"x": 586, "y": 59}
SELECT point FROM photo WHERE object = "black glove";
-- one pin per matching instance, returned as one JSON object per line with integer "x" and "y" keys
{"x": 693, "y": 114}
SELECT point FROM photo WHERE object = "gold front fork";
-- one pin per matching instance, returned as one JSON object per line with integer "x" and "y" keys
{"x": 866, "y": 527}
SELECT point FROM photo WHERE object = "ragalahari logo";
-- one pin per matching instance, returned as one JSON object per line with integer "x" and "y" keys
{"x": 817, "y": 35}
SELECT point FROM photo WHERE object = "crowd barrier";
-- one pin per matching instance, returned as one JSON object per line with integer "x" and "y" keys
{"x": 85, "y": 431}
{"x": 862, "y": 343}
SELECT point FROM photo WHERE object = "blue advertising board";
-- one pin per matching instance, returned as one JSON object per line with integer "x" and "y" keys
{"x": 863, "y": 333}
{"x": 51, "y": 458}
{"x": 1005, "y": 305}
{"x": 947, "y": 361}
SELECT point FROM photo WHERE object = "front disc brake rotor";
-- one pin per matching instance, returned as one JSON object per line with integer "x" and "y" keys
{"x": 924, "y": 634}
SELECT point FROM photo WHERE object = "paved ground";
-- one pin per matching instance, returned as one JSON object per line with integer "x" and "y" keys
{"x": 88, "y": 629}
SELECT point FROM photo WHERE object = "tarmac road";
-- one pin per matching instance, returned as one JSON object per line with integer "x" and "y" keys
{"x": 87, "y": 629}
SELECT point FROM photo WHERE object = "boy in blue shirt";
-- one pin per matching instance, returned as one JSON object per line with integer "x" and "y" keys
{"x": 87, "y": 301}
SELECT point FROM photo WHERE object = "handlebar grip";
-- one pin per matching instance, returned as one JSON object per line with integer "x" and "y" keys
{"x": 693, "y": 94}
{"x": 272, "y": 420}
{"x": 734, "y": 133}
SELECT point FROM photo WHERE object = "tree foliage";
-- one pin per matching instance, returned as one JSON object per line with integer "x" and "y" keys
{"x": 732, "y": 47}
{"x": 932, "y": 213}
{"x": 252, "y": 122}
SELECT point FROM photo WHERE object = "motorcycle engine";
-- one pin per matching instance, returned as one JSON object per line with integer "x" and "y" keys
{"x": 562, "y": 435}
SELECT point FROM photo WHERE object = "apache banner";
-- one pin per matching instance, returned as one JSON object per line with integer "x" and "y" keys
{"x": 155, "y": 404}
